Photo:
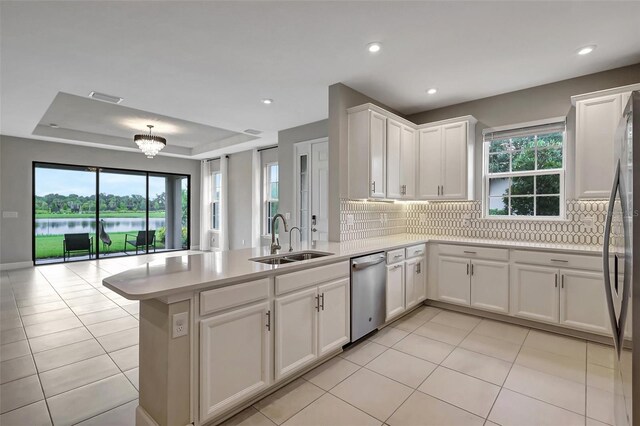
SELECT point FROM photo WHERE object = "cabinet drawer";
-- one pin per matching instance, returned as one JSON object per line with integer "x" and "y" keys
{"x": 559, "y": 260}
{"x": 233, "y": 295}
{"x": 309, "y": 277}
{"x": 394, "y": 256}
{"x": 474, "y": 252}
{"x": 415, "y": 251}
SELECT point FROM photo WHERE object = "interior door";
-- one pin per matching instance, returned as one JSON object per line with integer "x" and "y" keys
{"x": 320, "y": 191}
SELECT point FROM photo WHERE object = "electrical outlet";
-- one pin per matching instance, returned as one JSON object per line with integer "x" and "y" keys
{"x": 180, "y": 324}
{"x": 587, "y": 223}
{"x": 350, "y": 220}
{"x": 466, "y": 220}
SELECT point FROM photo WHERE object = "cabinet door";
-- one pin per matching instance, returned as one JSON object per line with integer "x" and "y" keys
{"x": 454, "y": 161}
{"x": 408, "y": 163}
{"x": 582, "y": 301}
{"x": 394, "y": 165}
{"x": 334, "y": 317}
{"x": 377, "y": 152}
{"x": 296, "y": 328}
{"x": 535, "y": 292}
{"x": 596, "y": 123}
{"x": 235, "y": 358}
{"x": 395, "y": 290}
{"x": 420, "y": 280}
{"x": 410, "y": 283}
{"x": 454, "y": 280}
{"x": 429, "y": 163}
{"x": 490, "y": 285}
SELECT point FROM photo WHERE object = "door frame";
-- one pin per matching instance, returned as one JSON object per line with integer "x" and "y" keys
{"x": 303, "y": 148}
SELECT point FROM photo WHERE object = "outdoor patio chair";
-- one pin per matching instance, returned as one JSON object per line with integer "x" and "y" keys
{"x": 76, "y": 243}
{"x": 140, "y": 241}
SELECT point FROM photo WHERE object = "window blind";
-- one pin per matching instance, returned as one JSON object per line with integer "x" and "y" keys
{"x": 493, "y": 134}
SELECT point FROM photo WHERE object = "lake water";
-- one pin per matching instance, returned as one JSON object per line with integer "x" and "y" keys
{"x": 112, "y": 224}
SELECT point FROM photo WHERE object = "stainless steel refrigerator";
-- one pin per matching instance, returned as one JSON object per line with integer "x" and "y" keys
{"x": 621, "y": 269}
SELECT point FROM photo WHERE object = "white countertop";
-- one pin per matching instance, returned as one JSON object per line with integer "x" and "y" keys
{"x": 189, "y": 272}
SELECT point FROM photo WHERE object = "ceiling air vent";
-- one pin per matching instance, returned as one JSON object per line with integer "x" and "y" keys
{"x": 105, "y": 98}
{"x": 253, "y": 132}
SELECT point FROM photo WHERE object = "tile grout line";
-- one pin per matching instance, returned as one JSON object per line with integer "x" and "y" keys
{"x": 44, "y": 398}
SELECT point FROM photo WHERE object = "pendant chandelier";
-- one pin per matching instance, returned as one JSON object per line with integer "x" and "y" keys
{"x": 150, "y": 144}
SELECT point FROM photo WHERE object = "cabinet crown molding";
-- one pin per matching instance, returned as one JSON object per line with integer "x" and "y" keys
{"x": 598, "y": 93}
{"x": 372, "y": 107}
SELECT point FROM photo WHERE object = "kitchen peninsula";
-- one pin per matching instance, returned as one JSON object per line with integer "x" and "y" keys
{"x": 220, "y": 330}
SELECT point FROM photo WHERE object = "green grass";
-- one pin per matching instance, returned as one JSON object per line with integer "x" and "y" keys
{"x": 102, "y": 215}
{"x": 48, "y": 246}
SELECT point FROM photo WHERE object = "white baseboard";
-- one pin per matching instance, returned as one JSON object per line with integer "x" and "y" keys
{"x": 15, "y": 265}
{"x": 143, "y": 418}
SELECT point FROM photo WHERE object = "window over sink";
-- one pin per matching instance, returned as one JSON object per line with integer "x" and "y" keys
{"x": 524, "y": 170}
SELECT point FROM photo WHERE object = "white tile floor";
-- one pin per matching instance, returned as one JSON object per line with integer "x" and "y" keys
{"x": 70, "y": 356}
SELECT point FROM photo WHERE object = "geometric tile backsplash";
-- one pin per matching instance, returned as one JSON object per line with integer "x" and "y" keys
{"x": 446, "y": 219}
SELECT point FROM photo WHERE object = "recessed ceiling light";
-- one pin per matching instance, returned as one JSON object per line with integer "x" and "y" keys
{"x": 432, "y": 91}
{"x": 586, "y": 50}
{"x": 374, "y": 47}
{"x": 53, "y": 125}
{"x": 267, "y": 101}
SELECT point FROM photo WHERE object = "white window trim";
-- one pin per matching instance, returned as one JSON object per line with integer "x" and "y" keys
{"x": 214, "y": 200}
{"x": 485, "y": 175}
{"x": 263, "y": 204}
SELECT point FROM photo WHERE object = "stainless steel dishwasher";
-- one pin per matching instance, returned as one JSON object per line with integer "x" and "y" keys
{"x": 368, "y": 289}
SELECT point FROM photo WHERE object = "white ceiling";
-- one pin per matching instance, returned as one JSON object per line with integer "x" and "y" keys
{"x": 212, "y": 62}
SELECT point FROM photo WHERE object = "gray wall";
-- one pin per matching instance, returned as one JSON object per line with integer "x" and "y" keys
{"x": 16, "y": 157}
{"x": 341, "y": 97}
{"x": 550, "y": 100}
{"x": 286, "y": 140}
{"x": 240, "y": 177}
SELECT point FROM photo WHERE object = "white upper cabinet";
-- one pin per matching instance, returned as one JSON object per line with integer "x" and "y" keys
{"x": 392, "y": 158}
{"x": 445, "y": 166}
{"x": 597, "y": 118}
{"x": 429, "y": 163}
{"x": 367, "y": 154}
{"x": 401, "y": 161}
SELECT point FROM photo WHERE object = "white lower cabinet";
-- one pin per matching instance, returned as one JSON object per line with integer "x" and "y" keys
{"x": 534, "y": 293}
{"x": 334, "y": 322}
{"x": 415, "y": 281}
{"x": 490, "y": 285}
{"x": 233, "y": 369}
{"x": 296, "y": 328}
{"x": 582, "y": 301}
{"x": 395, "y": 290}
{"x": 310, "y": 323}
{"x": 453, "y": 280}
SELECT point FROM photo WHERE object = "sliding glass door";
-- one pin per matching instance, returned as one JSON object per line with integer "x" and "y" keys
{"x": 86, "y": 212}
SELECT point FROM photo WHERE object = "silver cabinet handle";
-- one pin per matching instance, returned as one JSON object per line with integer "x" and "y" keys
{"x": 417, "y": 252}
{"x": 268, "y": 320}
{"x": 418, "y": 268}
{"x": 322, "y": 303}
{"x": 469, "y": 252}
{"x": 373, "y": 185}
{"x": 396, "y": 267}
{"x": 472, "y": 269}
{"x": 317, "y": 303}
{"x": 556, "y": 280}
{"x": 397, "y": 256}
{"x": 562, "y": 285}
{"x": 467, "y": 269}
{"x": 560, "y": 260}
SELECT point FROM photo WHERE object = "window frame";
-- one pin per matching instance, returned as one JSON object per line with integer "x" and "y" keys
{"x": 215, "y": 200}
{"x": 486, "y": 176}
{"x": 267, "y": 200}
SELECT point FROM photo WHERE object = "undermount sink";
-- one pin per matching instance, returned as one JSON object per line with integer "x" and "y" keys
{"x": 283, "y": 259}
